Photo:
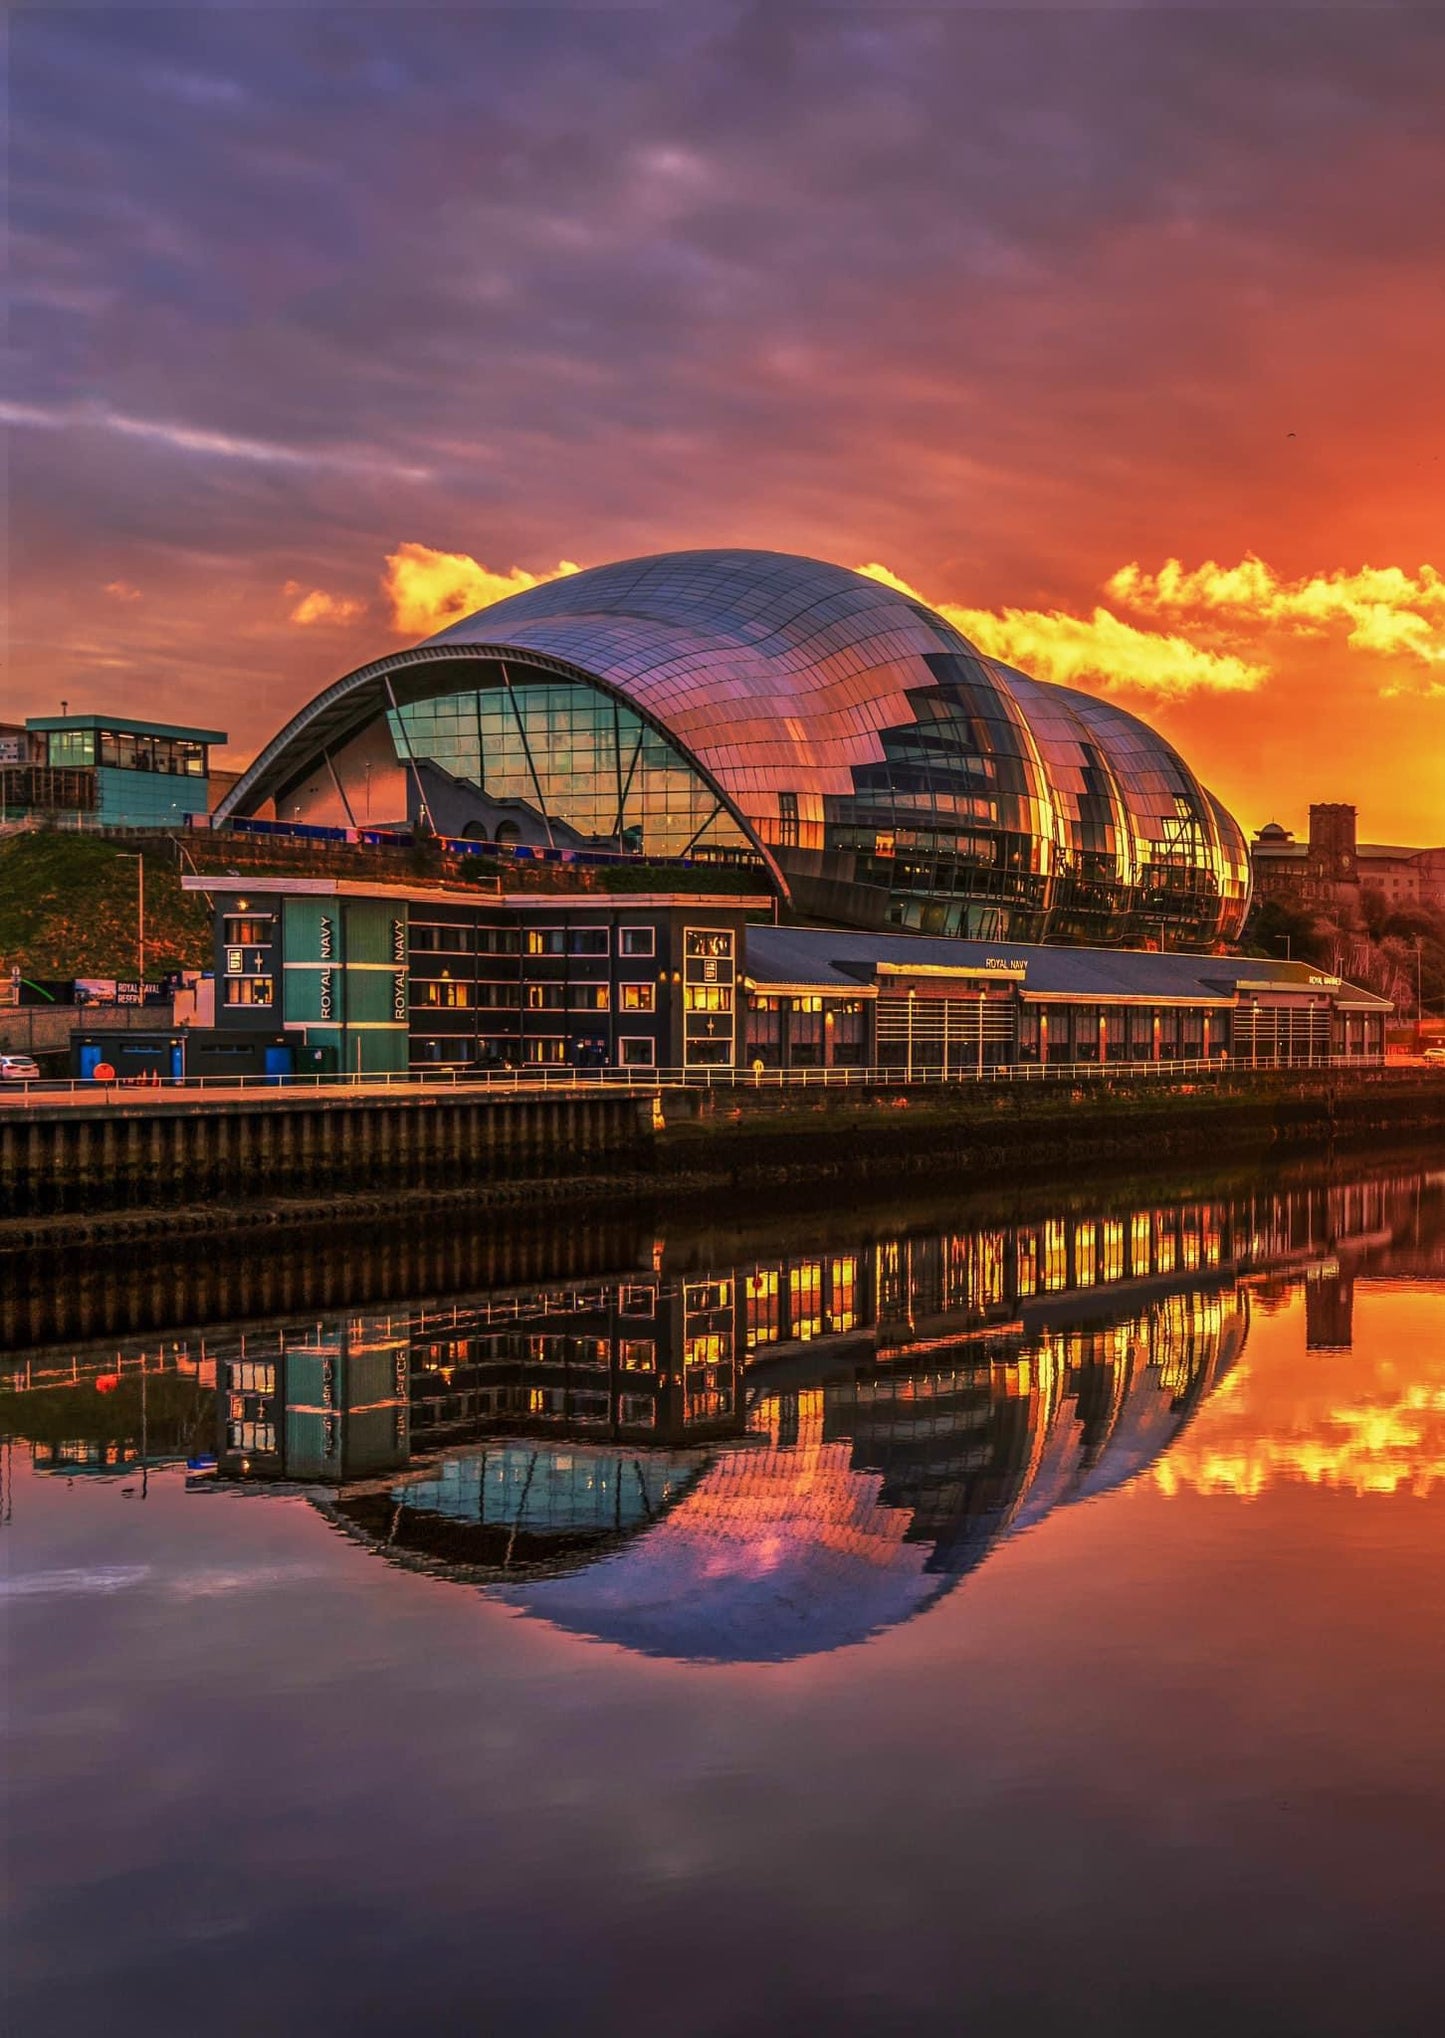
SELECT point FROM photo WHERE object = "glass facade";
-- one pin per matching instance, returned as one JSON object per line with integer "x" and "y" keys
{"x": 742, "y": 704}
{"x": 574, "y": 755}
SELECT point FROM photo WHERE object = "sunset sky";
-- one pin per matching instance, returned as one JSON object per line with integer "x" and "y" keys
{"x": 1119, "y": 333}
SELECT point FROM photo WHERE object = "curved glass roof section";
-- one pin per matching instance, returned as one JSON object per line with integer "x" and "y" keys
{"x": 743, "y": 704}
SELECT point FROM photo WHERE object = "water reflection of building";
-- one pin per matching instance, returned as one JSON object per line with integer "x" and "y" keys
{"x": 760, "y": 1454}
{"x": 1329, "y": 1310}
{"x": 892, "y": 1409}
{"x": 867, "y": 1495}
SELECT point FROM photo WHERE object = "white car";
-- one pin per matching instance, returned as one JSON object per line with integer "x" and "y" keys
{"x": 1435, "y": 1054}
{"x": 18, "y": 1068}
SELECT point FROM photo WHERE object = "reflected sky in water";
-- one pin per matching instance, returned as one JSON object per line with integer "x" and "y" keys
{"x": 1021, "y": 1622}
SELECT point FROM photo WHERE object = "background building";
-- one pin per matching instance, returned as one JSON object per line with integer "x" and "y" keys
{"x": 1334, "y": 870}
{"x": 106, "y": 771}
{"x": 780, "y": 713}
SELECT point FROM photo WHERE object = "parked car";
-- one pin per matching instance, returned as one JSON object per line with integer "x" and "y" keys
{"x": 1435, "y": 1054}
{"x": 19, "y": 1068}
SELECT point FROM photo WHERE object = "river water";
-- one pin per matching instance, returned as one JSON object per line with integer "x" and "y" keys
{"x": 1012, "y": 1617}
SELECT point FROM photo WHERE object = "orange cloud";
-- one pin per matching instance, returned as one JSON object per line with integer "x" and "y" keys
{"x": 1384, "y": 610}
{"x": 429, "y": 589}
{"x": 1051, "y": 644}
{"x": 121, "y": 590}
{"x": 320, "y": 607}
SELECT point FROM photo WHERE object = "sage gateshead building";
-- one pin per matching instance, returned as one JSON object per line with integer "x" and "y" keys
{"x": 770, "y": 711}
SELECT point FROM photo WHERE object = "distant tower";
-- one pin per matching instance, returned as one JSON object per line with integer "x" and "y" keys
{"x": 1332, "y": 854}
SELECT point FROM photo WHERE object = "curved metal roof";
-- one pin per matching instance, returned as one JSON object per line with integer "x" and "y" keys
{"x": 779, "y": 676}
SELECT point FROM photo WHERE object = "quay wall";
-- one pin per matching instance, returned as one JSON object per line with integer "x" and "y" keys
{"x": 1004, "y": 1131}
{"x": 80, "y": 1159}
{"x": 209, "y": 1160}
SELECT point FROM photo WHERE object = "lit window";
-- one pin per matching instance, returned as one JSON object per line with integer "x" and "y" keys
{"x": 250, "y": 991}
{"x": 638, "y": 997}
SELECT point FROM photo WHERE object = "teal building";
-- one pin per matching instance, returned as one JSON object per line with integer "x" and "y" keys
{"x": 126, "y": 774}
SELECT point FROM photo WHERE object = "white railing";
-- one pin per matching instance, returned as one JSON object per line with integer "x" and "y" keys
{"x": 645, "y": 1081}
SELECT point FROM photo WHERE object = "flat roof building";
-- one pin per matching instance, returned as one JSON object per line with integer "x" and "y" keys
{"x": 109, "y": 771}
{"x": 386, "y": 978}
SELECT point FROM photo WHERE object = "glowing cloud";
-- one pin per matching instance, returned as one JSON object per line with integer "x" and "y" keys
{"x": 1387, "y": 1441}
{"x": 121, "y": 590}
{"x": 1052, "y": 644}
{"x": 319, "y": 607}
{"x": 1383, "y": 609}
{"x": 428, "y": 589}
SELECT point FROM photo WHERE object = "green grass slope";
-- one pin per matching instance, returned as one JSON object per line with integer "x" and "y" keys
{"x": 68, "y": 909}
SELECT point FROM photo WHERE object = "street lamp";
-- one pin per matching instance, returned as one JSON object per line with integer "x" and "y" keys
{"x": 135, "y": 856}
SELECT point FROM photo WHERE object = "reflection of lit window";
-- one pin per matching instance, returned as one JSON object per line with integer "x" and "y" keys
{"x": 637, "y": 1355}
{"x": 1084, "y": 1256}
{"x": 761, "y": 1305}
{"x": 1028, "y": 1264}
{"x": 1140, "y": 1257}
{"x": 251, "y": 1436}
{"x": 843, "y": 1280}
{"x": 251, "y": 1376}
{"x": 1111, "y": 1250}
{"x": 1056, "y": 1257}
{"x": 637, "y": 1302}
{"x": 805, "y": 1299}
{"x": 1165, "y": 1245}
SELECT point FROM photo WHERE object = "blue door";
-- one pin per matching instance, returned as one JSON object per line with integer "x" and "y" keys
{"x": 279, "y": 1062}
{"x": 90, "y": 1055}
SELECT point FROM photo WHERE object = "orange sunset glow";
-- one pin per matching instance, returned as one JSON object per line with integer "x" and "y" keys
{"x": 1134, "y": 374}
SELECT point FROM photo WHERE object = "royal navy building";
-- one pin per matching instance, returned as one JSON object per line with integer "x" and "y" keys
{"x": 365, "y": 980}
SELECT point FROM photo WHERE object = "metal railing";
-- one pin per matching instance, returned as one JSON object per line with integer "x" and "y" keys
{"x": 645, "y": 1081}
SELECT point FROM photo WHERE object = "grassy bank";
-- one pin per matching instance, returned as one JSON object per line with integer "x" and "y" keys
{"x": 68, "y": 908}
